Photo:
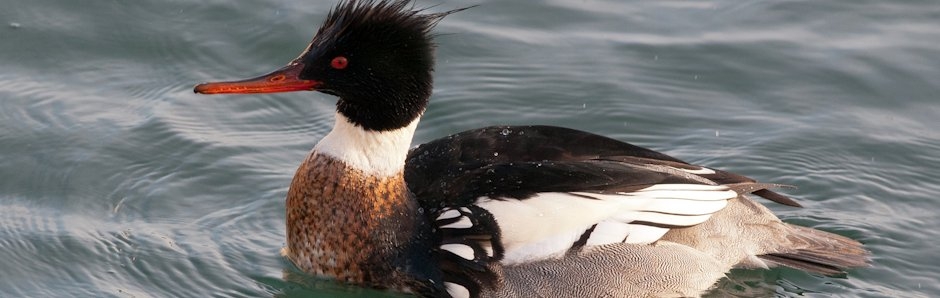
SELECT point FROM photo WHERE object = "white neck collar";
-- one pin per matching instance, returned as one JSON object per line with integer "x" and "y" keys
{"x": 380, "y": 153}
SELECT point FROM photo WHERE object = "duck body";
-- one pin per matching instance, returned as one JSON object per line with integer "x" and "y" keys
{"x": 504, "y": 211}
{"x": 522, "y": 162}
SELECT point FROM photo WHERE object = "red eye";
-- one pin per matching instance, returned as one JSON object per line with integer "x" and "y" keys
{"x": 339, "y": 62}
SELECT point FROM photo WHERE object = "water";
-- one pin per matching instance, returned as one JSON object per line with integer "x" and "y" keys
{"x": 117, "y": 181}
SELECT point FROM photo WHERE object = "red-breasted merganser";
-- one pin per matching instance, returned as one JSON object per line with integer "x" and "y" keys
{"x": 504, "y": 211}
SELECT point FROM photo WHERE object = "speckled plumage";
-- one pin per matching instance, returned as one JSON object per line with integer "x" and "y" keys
{"x": 348, "y": 225}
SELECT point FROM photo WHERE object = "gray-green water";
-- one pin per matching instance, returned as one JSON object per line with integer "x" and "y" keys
{"x": 116, "y": 180}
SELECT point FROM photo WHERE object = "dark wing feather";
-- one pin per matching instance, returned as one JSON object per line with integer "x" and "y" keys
{"x": 520, "y": 180}
{"x": 483, "y": 161}
{"x": 431, "y": 168}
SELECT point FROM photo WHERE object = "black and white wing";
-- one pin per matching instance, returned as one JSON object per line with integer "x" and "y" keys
{"x": 517, "y": 194}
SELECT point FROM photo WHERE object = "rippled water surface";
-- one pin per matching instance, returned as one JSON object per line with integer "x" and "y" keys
{"x": 116, "y": 180}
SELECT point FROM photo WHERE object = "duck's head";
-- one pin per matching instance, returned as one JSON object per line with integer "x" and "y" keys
{"x": 376, "y": 56}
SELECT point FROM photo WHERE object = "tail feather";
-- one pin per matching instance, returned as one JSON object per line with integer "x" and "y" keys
{"x": 776, "y": 197}
{"x": 763, "y": 190}
{"x": 819, "y": 252}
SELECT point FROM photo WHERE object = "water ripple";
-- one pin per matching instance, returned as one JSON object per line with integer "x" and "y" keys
{"x": 117, "y": 180}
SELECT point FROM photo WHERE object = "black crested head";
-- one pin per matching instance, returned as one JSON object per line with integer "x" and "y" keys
{"x": 377, "y": 57}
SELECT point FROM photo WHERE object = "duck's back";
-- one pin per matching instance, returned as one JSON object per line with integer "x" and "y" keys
{"x": 678, "y": 258}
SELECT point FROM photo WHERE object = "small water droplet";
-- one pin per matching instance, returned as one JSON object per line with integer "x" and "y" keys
{"x": 696, "y": 77}
{"x": 717, "y": 133}
{"x": 505, "y": 132}
{"x": 584, "y": 106}
{"x": 15, "y": 25}
{"x": 655, "y": 57}
{"x": 495, "y": 153}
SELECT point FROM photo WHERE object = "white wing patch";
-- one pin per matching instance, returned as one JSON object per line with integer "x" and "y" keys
{"x": 613, "y": 231}
{"x": 456, "y": 290}
{"x": 452, "y": 213}
{"x": 544, "y": 225}
{"x": 462, "y": 250}
{"x": 700, "y": 171}
{"x": 609, "y": 231}
{"x": 548, "y": 224}
{"x": 679, "y": 187}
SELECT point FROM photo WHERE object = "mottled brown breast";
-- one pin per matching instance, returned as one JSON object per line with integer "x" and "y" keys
{"x": 345, "y": 224}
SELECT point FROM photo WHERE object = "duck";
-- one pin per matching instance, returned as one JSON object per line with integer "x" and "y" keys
{"x": 504, "y": 211}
